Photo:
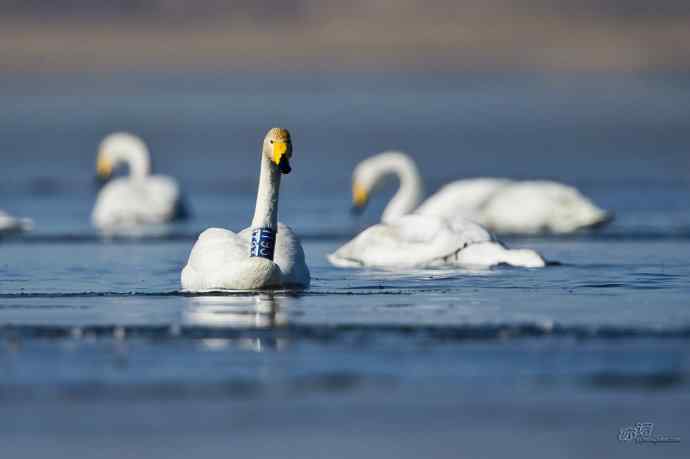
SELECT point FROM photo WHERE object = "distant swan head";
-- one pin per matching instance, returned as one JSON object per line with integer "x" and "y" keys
{"x": 277, "y": 148}
{"x": 370, "y": 174}
{"x": 123, "y": 148}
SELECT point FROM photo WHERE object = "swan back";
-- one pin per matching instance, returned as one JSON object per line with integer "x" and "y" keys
{"x": 410, "y": 241}
{"x": 537, "y": 206}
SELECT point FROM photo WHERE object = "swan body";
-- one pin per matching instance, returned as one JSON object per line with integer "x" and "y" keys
{"x": 222, "y": 259}
{"x": 501, "y": 205}
{"x": 516, "y": 207}
{"x": 422, "y": 241}
{"x": 13, "y": 225}
{"x": 138, "y": 199}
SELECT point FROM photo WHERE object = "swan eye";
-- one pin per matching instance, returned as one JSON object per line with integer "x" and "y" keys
{"x": 271, "y": 141}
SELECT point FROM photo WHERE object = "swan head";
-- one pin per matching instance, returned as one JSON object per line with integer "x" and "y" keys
{"x": 370, "y": 173}
{"x": 277, "y": 148}
{"x": 120, "y": 148}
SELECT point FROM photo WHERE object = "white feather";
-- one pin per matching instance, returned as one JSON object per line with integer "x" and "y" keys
{"x": 140, "y": 198}
{"x": 426, "y": 241}
{"x": 124, "y": 202}
{"x": 526, "y": 207}
{"x": 221, "y": 259}
{"x": 501, "y": 205}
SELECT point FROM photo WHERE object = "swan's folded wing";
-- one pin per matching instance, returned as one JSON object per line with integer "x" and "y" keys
{"x": 537, "y": 206}
{"x": 163, "y": 196}
{"x": 462, "y": 198}
{"x": 215, "y": 248}
{"x": 412, "y": 240}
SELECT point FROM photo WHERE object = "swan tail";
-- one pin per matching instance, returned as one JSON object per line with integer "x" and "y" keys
{"x": 602, "y": 219}
{"x": 495, "y": 253}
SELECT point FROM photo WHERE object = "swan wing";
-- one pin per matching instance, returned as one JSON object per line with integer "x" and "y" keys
{"x": 462, "y": 198}
{"x": 220, "y": 260}
{"x": 423, "y": 241}
{"x": 412, "y": 240}
{"x": 532, "y": 207}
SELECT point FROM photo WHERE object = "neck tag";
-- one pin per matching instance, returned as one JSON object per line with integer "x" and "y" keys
{"x": 263, "y": 243}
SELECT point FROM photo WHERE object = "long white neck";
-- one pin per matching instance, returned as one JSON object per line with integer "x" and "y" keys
{"x": 138, "y": 161}
{"x": 410, "y": 191}
{"x": 266, "y": 212}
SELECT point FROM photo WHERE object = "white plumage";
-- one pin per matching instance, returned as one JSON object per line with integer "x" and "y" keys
{"x": 516, "y": 207}
{"x": 501, "y": 205}
{"x": 422, "y": 241}
{"x": 441, "y": 236}
{"x": 138, "y": 199}
{"x": 220, "y": 259}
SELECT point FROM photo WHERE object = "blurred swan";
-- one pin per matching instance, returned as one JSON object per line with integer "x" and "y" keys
{"x": 13, "y": 225}
{"x": 424, "y": 241}
{"x": 268, "y": 254}
{"x": 501, "y": 205}
{"x": 140, "y": 198}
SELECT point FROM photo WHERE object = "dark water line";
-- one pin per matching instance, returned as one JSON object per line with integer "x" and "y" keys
{"x": 359, "y": 333}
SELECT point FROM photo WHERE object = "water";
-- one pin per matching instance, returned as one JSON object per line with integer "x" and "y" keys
{"x": 101, "y": 353}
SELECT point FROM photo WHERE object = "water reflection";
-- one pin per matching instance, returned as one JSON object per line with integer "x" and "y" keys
{"x": 254, "y": 311}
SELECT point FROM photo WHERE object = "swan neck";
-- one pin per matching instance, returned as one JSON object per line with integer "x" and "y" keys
{"x": 266, "y": 211}
{"x": 139, "y": 163}
{"x": 409, "y": 193}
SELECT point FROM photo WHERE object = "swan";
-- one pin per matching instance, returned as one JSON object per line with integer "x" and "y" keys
{"x": 140, "y": 198}
{"x": 414, "y": 240}
{"x": 268, "y": 254}
{"x": 501, "y": 205}
{"x": 425, "y": 241}
{"x": 13, "y": 225}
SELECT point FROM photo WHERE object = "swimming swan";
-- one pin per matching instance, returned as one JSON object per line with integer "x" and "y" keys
{"x": 425, "y": 241}
{"x": 500, "y": 205}
{"x": 266, "y": 255}
{"x": 413, "y": 240}
{"x": 140, "y": 198}
{"x": 13, "y": 225}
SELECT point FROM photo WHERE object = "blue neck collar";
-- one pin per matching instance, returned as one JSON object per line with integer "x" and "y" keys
{"x": 263, "y": 243}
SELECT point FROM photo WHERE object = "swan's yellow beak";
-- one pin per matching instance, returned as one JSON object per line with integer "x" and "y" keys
{"x": 104, "y": 168}
{"x": 280, "y": 157}
{"x": 360, "y": 196}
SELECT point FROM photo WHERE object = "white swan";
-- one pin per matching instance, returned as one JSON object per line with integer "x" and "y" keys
{"x": 13, "y": 225}
{"x": 405, "y": 240}
{"x": 424, "y": 241}
{"x": 266, "y": 255}
{"x": 501, "y": 205}
{"x": 140, "y": 198}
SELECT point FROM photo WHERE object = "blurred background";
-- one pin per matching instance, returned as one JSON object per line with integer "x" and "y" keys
{"x": 595, "y": 94}
{"x": 410, "y": 35}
